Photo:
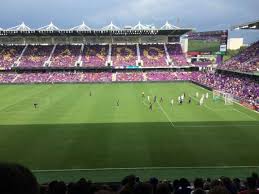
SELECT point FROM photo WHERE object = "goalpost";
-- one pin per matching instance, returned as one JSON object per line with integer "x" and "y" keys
{"x": 228, "y": 98}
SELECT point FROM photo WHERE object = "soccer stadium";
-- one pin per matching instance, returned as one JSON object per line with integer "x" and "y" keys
{"x": 128, "y": 109}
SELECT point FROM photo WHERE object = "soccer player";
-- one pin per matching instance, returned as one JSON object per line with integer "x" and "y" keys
{"x": 207, "y": 95}
{"x": 190, "y": 100}
{"x": 35, "y": 105}
{"x": 118, "y": 102}
{"x": 90, "y": 94}
{"x": 143, "y": 94}
{"x": 148, "y": 98}
{"x": 161, "y": 100}
{"x": 182, "y": 97}
{"x": 197, "y": 94}
{"x": 201, "y": 101}
{"x": 179, "y": 99}
{"x": 150, "y": 106}
{"x": 172, "y": 103}
{"x": 154, "y": 99}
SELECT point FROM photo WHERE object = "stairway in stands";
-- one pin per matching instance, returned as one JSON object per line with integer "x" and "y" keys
{"x": 51, "y": 54}
{"x": 168, "y": 58}
{"x": 144, "y": 77}
{"x": 16, "y": 77}
{"x": 114, "y": 77}
{"x": 21, "y": 55}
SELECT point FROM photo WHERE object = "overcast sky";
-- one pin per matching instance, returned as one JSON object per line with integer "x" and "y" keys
{"x": 199, "y": 14}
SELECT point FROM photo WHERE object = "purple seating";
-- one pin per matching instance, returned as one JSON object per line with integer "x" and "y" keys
{"x": 95, "y": 55}
{"x": 241, "y": 88}
{"x": 130, "y": 76}
{"x": 32, "y": 78}
{"x": 8, "y": 55}
{"x": 168, "y": 76}
{"x": 176, "y": 54}
{"x": 124, "y": 55}
{"x": 245, "y": 61}
{"x": 35, "y": 56}
{"x": 7, "y": 77}
{"x": 153, "y": 55}
{"x": 65, "y": 55}
{"x": 97, "y": 77}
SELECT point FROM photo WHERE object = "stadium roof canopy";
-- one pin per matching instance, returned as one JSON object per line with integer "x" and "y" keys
{"x": 247, "y": 26}
{"x": 110, "y": 27}
{"x": 168, "y": 26}
{"x": 50, "y": 27}
{"x": 109, "y": 30}
{"x": 140, "y": 26}
{"x": 22, "y": 28}
{"x": 82, "y": 27}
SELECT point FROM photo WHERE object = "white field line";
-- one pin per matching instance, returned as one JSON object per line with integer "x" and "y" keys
{"x": 244, "y": 114}
{"x": 146, "y": 168}
{"x": 212, "y": 126}
{"x": 164, "y": 112}
{"x": 246, "y": 107}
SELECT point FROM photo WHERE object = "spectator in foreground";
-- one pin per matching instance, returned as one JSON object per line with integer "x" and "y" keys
{"x": 16, "y": 179}
{"x": 218, "y": 190}
{"x": 251, "y": 186}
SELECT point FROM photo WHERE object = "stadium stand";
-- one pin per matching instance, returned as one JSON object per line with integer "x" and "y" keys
{"x": 125, "y": 55}
{"x": 129, "y": 76}
{"x": 65, "y": 55}
{"x": 8, "y": 55}
{"x": 168, "y": 76}
{"x": 35, "y": 56}
{"x": 242, "y": 88}
{"x": 95, "y": 55}
{"x": 176, "y": 54}
{"x": 246, "y": 61}
{"x": 153, "y": 55}
{"x": 97, "y": 77}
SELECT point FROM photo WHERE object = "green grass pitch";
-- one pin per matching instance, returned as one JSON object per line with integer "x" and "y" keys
{"x": 72, "y": 130}
{"x": 204, "y": 46}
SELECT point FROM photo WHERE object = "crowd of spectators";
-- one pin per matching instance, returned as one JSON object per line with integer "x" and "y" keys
{"x": 242, "y": 88}
{"x": 124, "y": 55}
{"x": 169, "y": 76}
{"x": 130, "y": 76}
{"x": 95, "y": 55}
{"x": 35, "y": 56}
{"x": 176, "y": 54}
{"x": 246, "y": 61}
{"x": 153, "y": 55}
{"x": 65, "y": 55}
{"x": 16, "y": 179}
{"x": 9, "y": 55}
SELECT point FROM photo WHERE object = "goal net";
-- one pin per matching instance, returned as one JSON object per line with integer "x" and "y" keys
{"x": 219, "y": 95}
